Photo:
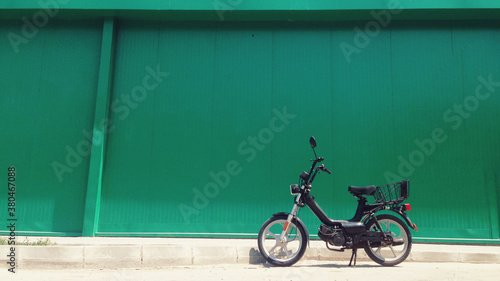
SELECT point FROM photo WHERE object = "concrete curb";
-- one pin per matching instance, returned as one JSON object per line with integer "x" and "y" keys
{"x": 148, "y": 253}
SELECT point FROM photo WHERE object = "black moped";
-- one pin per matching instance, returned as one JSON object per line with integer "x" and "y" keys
{"x": 385, "y": 238}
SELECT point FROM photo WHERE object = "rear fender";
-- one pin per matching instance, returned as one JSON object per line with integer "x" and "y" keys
{"x": 400, "y": 213}
{"x": 405, "y": 217}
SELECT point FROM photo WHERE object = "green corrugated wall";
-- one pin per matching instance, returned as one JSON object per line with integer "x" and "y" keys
{"x": 210, "y": 123}
{"x": 47, "y": 100}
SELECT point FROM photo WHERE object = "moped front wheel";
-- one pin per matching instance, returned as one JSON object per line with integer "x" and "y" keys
{"x": 278, "y": 251}
{"x": 397, "y": 249}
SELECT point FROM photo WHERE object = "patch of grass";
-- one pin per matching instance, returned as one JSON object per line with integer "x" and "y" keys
{"x": 27, "y": 242}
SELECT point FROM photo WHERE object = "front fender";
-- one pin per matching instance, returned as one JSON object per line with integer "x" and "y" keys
{"x": 296, "y": 220}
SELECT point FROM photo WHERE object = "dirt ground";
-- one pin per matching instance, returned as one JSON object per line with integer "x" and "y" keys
{"x": 305, "y": 270}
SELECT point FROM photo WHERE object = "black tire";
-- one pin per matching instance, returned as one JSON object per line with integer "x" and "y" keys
{"x": 389, "y": 255}
{"x": 278, "y": 253}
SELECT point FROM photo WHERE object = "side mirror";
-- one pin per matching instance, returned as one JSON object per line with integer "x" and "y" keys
{"x": 312, "y": 141}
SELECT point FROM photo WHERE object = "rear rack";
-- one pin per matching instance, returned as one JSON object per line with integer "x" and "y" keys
{"x": 392, "y": 194}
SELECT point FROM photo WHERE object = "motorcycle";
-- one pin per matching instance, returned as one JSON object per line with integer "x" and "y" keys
{"x": 386, "y": 238}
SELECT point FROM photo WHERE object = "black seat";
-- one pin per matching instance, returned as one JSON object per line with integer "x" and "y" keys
{"x": 362, "y": 190}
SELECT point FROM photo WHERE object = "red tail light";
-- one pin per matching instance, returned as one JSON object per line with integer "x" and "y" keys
{"x": 407, "y": 207}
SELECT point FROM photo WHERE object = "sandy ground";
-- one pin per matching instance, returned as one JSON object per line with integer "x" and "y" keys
{"x": 305, "y": 270}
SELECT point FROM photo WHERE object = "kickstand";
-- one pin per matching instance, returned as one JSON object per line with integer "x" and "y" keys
{"x": 354, "y": 256}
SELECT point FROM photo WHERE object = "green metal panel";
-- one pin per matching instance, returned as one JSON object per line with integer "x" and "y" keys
{"x": 184, "y": 128}
{"x": 47, "y": 96}
{"x": 210, "y": 123}
{"x": 101, "y": 128}
{"x": 258, "y": 10}
{"x": 455, "y": 171}
{"x": 410, "y": 78}
{"x": 363, "y": 120}
{"x": 481, "y": 126}
{"x": 374, "y": 112}
{"x": 248, "y": 5}
{"x": 257, "y": 15}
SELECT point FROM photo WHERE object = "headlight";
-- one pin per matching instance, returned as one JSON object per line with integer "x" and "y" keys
{"x": 294, "y": 189}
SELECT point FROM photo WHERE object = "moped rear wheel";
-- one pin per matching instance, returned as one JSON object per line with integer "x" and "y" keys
{"x": 394, "y": 252}
{"x": 276, "y": 251}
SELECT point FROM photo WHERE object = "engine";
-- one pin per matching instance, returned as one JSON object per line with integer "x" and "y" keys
{"x": 334, "y": 237}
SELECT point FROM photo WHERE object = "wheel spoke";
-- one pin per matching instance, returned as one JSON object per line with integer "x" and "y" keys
{"x": 275, "y": 244}
{"x": 286, "y": 251}
{"x": 395, "y": 246}
{"x": 386, "y": 226}
{"x": 272, "y": 249}
{"x": 392, "y": 249}
{"x": 293, "y": 242}
{"x": 272, "y": 234}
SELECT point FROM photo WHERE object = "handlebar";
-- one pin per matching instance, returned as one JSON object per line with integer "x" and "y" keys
{"x": 317, "y": 160}
{"x": 324, "y": 169}
{"x": 314, "y": 171}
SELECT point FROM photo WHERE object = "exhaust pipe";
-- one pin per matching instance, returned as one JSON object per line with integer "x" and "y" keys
{"x": 395, "y": 242}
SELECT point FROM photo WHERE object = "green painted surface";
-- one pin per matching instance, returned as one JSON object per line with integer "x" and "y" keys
{"x": 240, "y": 10}
{"x": 369, "y": 115}
{"x": 100, "y": 129}
{"x": 253, "y": 15}
{"x": 247, "y": 5}
{"x": 198, "y": 108}
{"x": 47, "y": 99}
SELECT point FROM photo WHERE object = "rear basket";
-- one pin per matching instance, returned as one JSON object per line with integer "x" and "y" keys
{"x": 392, "y": 194}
